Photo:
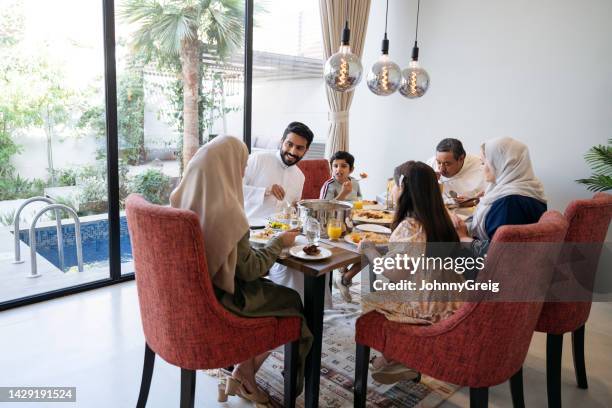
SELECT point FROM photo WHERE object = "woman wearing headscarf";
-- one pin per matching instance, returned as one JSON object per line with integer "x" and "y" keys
{"x": 212, "y": 187}
{"x": 514, "y": 195}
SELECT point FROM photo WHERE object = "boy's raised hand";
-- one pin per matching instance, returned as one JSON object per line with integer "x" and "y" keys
{"x": 347, "y": 187}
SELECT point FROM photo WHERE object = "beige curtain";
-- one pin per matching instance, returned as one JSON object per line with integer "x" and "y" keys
{"x": 333, "y": 16}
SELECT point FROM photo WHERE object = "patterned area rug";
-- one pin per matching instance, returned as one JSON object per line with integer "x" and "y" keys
{"x": 338, "y": 369}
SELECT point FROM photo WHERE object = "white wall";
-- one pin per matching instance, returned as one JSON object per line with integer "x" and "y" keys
{"x": 277, "y": 103}
{"x": 539, "y": 71}
{"x": 67, "y": 152}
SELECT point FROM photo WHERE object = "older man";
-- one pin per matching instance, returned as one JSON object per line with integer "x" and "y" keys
{"x": 461, "y": 174}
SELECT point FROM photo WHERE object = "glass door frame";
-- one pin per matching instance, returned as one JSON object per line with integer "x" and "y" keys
{"x": 112, "y": 149}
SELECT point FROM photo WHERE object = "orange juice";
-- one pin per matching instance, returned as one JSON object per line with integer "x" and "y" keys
{"x": 358, "y": 205}
{"x": 334, "y": 229}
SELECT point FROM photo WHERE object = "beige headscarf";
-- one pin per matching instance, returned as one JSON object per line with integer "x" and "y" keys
{"x": 511, "y": 164}
{"x": 212, "y": 187}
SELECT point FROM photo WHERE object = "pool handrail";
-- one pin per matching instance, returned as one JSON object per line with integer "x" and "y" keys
{"x": 77, "y": 233}
{"x": 16, "y": 230}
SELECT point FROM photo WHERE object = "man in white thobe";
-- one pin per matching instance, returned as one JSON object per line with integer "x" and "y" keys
{"x": 271, "y": 180}
{"x": 459, "y": 172}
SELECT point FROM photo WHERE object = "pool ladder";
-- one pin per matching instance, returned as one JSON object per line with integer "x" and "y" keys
{"x": 52, "y": 205}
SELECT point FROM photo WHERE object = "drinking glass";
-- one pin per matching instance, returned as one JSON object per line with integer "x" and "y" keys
{"x": 334, "y": 229}
{"x": 312, "y": 230}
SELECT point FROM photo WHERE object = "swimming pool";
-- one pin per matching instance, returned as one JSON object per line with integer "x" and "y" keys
{"x": 94, "y": 236}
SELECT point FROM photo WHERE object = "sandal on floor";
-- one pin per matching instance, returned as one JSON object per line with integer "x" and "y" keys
{"x": 235, "y": 387}
{"x": 395, "y": 372}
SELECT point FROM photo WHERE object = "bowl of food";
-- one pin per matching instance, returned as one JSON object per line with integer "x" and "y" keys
{"x": 325, "y": 210}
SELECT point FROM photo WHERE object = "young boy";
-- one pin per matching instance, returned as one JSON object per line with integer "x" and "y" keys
{"x": 341, "y": 186}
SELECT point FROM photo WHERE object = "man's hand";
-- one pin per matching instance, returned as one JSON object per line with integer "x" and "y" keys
{"x": 287, "y": 238}
{"x": 438, "y": 174}
{"x": 277, "y": 191}
{"x": 463, "y": 201}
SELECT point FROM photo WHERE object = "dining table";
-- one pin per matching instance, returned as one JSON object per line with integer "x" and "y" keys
{"x": 342, "y": 254}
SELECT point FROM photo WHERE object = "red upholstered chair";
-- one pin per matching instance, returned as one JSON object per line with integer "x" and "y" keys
{"x": 316, "y": 172}
{"x": 588, "y": 223}
{"x": 484, "y": 343}
{"x": 182, "y": 320}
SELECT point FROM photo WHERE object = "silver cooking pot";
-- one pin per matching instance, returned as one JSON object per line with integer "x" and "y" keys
{"x": 325, "y": 210}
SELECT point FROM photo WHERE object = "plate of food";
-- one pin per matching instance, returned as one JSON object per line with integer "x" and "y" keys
{"x": 310, "y": 252}
{"x": 372, "y": 205}
{"x": 262, "y": 237}
{"x": 377, "y": 228}
{"x": 278, "y": 225}
{"x": 356, "y": 237}
{"x": 373, "y": 216}
{"x": 284, "y": 222}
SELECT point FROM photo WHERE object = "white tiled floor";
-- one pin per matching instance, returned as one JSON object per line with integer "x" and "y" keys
{"x": 94, "y": 341}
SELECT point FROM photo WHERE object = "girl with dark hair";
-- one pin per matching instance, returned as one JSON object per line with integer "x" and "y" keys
{"x": 422, "y": 227}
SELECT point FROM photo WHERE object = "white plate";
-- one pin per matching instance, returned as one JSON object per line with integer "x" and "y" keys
{"x": 260, "y": 241}
{"x": 379, "y": 229}
{"x": 348, "y": 239}
{"x": 373, "y": 207}
{"x": 298, "y": 252}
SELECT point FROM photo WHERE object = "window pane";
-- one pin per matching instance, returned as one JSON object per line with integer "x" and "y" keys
{"x": 288, "y": 72}
{"x": 52, "y": 142}
{"x": 156, "y": 121}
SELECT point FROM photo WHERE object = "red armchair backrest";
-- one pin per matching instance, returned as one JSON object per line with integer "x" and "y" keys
{"x": 181, "y": 317}
{"x": 316, "y": 173}
{"x": 589, "y": 219}
{"x": 502, "y": 331}
{"x": 588, "y": 225}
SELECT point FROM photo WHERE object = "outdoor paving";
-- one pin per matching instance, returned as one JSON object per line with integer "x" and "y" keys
{"x": 14, "y": 280}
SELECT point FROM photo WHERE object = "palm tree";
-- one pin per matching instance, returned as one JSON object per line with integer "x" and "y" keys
{"x": 174, "y": 32}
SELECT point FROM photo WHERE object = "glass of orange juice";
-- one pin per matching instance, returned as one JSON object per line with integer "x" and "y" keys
{"x": 334, "y": 229}
{"x": 358, "y": 204}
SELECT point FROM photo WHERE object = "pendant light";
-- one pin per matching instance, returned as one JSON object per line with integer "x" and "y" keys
{"x": 415, "y": 80}
{"x": 343, "y": 69}
{"x": 385, "y": 75}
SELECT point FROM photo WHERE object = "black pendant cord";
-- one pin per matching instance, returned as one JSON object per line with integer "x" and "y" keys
{"x": 415, "y": 49}
{"x": 385, "y": 42}
{"x": 386, "y": 18}
{"x": 346, "y": 33}
{"x": 416, "y": 31}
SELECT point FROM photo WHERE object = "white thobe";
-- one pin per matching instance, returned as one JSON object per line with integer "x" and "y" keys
{"x": 468, "y": 182}
{"x": 263, "y": 170}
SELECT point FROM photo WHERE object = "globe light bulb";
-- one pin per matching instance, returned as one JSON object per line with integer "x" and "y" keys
{"x": 343, "y": 70}
{"x": 384, "y": 77}
{"x": 415, "y": 81}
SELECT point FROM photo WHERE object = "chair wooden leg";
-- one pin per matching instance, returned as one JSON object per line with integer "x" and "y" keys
{"x": 361, "y": 376}
{"x": 578, "y": 352}
{"x": 479, "y": 397}
{"x": 188, "y": 381}
{"x": 554, "y": 348}
{"x": 147, "y": 374}
{"x": 291, "y": 363}
{"x": 373, "y": 277}
{"x": 516, "y": 389}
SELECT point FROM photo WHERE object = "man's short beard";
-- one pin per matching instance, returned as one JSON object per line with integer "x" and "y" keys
{"x": 297, "y": 159}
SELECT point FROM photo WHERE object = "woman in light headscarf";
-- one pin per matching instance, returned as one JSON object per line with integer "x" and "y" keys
{"x": 212, "y": 187}
{"x": 514, "y": 196}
